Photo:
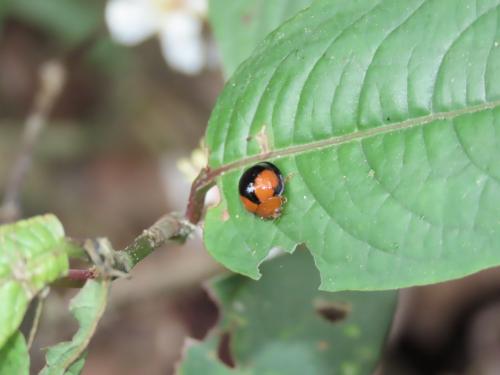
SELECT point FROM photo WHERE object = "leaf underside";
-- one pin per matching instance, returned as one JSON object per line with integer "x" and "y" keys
{"x": 31, "y": 256}
{"x": 275, "y": 327}
{"x": 384, "y": 116}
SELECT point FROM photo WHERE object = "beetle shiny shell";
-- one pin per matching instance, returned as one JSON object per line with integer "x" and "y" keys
{"x": 261, "y": 190}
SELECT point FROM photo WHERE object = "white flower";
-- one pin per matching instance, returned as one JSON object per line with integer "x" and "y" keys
{"x": 178, "y": 23}
{"x": 191, "y": 167}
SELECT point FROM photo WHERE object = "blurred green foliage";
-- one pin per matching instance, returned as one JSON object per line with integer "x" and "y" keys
{"x": 69, "y": 24}
{"x": 282, "y": 324}
{"x": 68, "y": 21}
{"x": 14, "y": 356}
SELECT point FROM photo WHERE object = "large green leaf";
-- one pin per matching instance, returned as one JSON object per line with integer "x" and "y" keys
{"x": 87, "y": 307}
{"x": 384, "y": 115}
{"x": 32, "y": 254}
{"x": 239, "y": 25}
{"x": 278, "y": 325}
{"x": 14, "y": 356}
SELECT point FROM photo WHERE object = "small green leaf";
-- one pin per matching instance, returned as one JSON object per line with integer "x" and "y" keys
{"x": 87, "y": 307}
{"x": 14, "y": 356}
{"x": 32, "y": 254}
{"x": 384, "y": 116}
{"x": 239, "y": 25}
{"x": 282, "y": 324}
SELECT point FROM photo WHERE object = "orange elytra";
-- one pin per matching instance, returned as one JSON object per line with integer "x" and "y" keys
{"x": 261, "y": 190}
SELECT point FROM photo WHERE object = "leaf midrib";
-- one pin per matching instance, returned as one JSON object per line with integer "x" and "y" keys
{"x": 357, "y": 135}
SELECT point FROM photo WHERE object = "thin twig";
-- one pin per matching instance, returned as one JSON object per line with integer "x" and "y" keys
{"x": 75, "y": 278}
{"x": 169, "y": 228}
{"x": 52, "y": 77}
{"x": 38, "y": 313}
{"x": 108, "y": 263}
{"x": 199, "y": 189}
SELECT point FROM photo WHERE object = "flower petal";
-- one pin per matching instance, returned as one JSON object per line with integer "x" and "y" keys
{"x": 182, "y": 42}
{"x": 198, "y": 6}
{"x": 131, "y": 21}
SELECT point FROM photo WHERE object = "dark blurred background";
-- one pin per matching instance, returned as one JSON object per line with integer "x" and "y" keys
{"x": 106, "y": 165}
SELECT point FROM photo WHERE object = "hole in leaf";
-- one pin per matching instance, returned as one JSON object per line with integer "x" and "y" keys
{"x": 197, "y": 312}
{"x": 331, "y": 311}
{"x": 224, "y": 350}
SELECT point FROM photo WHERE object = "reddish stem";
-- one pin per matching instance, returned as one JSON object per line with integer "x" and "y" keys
{"x": 75, "y": 278}
{"x": 80, "y": 275}
{"x": 199, "y": 188}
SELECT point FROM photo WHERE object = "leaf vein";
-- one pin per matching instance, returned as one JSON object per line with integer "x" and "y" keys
{"x": 471, "y": 158}
{"x": 360, "y": 134}
{"x": 488, "y": 59}
{"x": 370, "y": 65}
{"x": 321, "y": 57}
{"x": 390, "y": 193}
{"x": 434, "y": 103}
{"x": 334, "y": 219}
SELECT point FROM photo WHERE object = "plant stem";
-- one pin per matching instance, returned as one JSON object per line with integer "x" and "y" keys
{"x": 199, "y": 188}
{"x": 169, "y": 228}
{"x": 36, "y": 319}
{"x": 75, "y": 278}
{"x": 52, "y": 77}
{"x": 108, "y": 263}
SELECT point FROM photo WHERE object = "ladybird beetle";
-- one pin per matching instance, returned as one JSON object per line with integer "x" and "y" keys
{"x": 261, "y": 189}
